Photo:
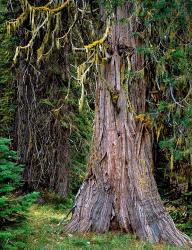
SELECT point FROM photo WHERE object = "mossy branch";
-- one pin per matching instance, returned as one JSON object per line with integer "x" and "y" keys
{"x": 32, "y": 12}
{"x": 100, "y": 41}
{"x": 13, "y": 25}
{"x": 28, "y": 46}
{"x": 54, "y": 11}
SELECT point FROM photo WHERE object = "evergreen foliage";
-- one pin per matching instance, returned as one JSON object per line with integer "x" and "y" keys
{"x": 7, "y": 90}
{"x": 168, "y": 51}
{"x": 166, "y": 34}
{"x": 13, "y": 206}
{"x": 168, "y": 45}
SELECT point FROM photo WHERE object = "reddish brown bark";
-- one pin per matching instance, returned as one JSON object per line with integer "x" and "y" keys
{"x": 120, "y": 191}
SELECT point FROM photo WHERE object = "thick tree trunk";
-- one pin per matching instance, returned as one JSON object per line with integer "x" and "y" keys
{"x": 120, "y": 191}
{"x": 42, "y": 140}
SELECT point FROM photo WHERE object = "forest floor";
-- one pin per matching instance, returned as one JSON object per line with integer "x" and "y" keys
{"x": 43, "y": 232}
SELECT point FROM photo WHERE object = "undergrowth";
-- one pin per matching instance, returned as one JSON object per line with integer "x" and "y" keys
{"x": 13, "y": 204}
{"x": 44, "y": 231}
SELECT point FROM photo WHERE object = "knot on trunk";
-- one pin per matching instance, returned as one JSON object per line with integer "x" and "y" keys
{"x": 124, "y": 47}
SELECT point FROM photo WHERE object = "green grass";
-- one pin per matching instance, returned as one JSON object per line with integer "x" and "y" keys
{"x": 45, "y": 233}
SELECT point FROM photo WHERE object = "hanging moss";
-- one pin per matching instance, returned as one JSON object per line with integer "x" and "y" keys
{"x": 37, "y": 19}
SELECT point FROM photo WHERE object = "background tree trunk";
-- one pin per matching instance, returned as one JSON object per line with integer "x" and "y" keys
{"x": 42, "y": 140}
{"x": 120, "y": 191}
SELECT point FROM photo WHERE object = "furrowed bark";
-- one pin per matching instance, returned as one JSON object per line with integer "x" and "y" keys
{"x": 42, "y": 140}
{"x": 120, "y": 191}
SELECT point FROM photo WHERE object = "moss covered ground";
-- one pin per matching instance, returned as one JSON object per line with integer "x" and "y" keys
{"x": 43, "y": 232}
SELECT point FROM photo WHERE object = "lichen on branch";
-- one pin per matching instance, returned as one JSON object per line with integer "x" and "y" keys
{"x": 100, "y": 41}
{"x": 39, "y": 18}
